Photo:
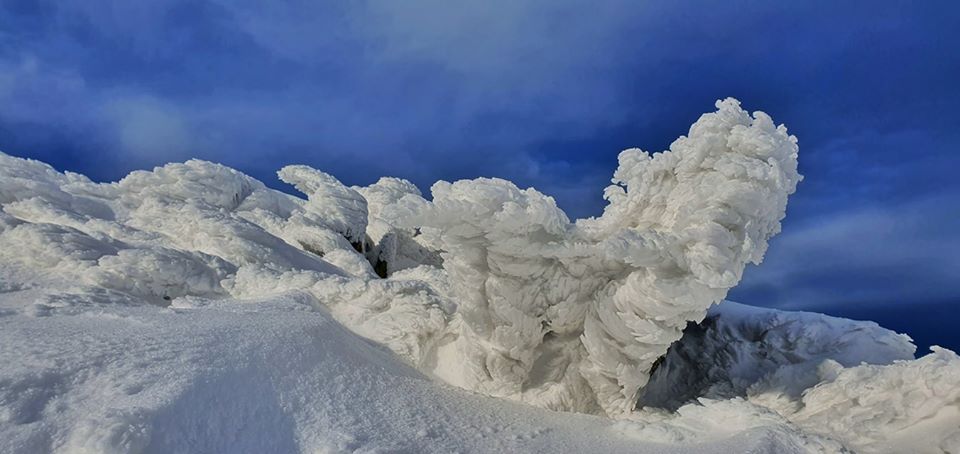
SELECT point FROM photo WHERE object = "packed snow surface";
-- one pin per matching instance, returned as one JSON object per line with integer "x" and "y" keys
{"x": 193, "y": 309}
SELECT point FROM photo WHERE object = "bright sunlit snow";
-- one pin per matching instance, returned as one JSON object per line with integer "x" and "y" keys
{"x": 193, "y": 309}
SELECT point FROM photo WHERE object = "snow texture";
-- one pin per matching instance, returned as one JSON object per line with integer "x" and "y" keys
{"x": 277, "y": 375}
{"x": 175, "y": 309}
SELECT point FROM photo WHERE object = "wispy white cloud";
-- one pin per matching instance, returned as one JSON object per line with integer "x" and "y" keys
{"x": 146, "y": 127}
{"x": 900, "y": 253}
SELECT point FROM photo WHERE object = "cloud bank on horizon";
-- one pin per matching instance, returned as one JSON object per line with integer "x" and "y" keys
{"x": 545, "y": 94}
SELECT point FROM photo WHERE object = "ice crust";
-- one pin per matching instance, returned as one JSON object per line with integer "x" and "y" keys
{"x": 490, "y": 287}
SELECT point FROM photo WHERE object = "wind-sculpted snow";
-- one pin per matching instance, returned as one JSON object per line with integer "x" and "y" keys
{"x": 201, "y": 229}
{"x": 486, "y": 286}
{"x": 908, "y": 406}
{"x": 332, "y": 204}
{"x": 573, "y": 315}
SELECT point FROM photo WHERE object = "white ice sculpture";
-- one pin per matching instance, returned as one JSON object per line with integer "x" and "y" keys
{"x": 572, "y": 316}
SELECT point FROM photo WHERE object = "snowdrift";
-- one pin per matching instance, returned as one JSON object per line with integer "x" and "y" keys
{"x": 177, "y": 308}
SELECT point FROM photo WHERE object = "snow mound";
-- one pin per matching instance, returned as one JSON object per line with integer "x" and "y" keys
{"x": 486, "y": 286}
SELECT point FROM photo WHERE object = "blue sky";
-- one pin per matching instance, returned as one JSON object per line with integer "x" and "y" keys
{"x": 544, "y": 93}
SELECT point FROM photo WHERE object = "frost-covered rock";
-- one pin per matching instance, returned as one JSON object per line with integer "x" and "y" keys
{"x": 572, "y": 316}
{"x": 393, "y": 248}
{"x": 849, "y": 381}
{"x": 740, "y": 350}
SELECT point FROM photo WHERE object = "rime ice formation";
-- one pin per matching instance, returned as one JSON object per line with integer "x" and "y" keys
{"x": 741, "y": 351}
{"x": 848, "y": 381}
{"x": 572, "y": 316}
{"x": 486, "y": 286}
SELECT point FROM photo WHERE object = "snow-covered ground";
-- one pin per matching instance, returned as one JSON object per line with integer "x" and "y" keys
{"x": 276, "y": 375}
{"x": 193, "y": 309}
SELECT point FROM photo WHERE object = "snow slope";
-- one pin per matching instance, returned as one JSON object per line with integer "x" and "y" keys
{"x": 278, "y": 375}
{"x": 191, "y": 308}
